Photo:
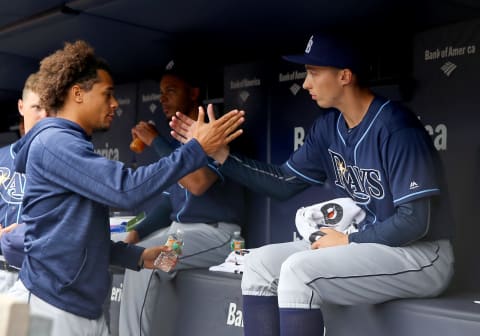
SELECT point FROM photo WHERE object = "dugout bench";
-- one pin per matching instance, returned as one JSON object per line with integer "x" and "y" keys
{"x": 200, "y": 302}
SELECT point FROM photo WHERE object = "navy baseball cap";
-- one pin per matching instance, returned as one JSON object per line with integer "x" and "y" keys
{"x": 184, "y": 70}
{"x": 327, "y": 50}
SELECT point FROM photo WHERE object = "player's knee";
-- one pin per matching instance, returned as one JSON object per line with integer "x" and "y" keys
{"x": 257, "y": 278}
{"x": 260, "y": 260}
{"x": 292, "y": 274}
{"x": 293, "y": 289}
{"x": 293, "y": 269}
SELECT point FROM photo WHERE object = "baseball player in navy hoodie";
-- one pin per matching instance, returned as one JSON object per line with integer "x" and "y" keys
{"x": 378, "y": 154}
{"x": 70, "y": 188}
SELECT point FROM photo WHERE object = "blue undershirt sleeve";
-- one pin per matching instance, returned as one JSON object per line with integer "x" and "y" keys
{"x": 158, "y": 218}
{"x": 409, "y": 223}
{"x": 125, "y": 255}
{"x": 271, "y": 180}
{"x": 161, "y": 146}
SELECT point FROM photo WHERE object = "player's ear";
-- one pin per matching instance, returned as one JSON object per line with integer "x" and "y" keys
{"x": 194, "y": 93}
{"x": 20, "y": 107}
{"x": 346, "y": 76}
{"x": 77, "y": 93}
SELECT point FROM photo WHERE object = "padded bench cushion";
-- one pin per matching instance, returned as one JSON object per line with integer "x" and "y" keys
{"x": 201, "y": 302}
{"x": 450, "y": 314}
{"x": 211, "y": 302}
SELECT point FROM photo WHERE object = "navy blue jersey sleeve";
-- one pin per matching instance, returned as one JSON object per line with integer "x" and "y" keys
{"x": 125, "y": 255}
{"x": 214, "y": 166}
{"x": 271, "y": 180}
{"x": 409, "y": 223}
{"x": 412, "y": 163}
{"x": 158, "y": 218}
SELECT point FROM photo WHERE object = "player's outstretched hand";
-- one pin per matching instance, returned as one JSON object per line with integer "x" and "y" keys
{"x": 212, "y": 136}
{"x": 182, "y": 127}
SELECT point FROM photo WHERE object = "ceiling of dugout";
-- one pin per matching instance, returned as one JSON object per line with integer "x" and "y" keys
{"x": 137, "y": 37}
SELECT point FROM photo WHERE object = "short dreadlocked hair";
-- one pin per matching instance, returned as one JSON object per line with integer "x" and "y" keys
{"x": 76, "y": 63}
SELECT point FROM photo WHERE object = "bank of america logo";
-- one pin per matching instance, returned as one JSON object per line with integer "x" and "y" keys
{"x": 448, "y": 68}
{"x": 244, "y": 96}
{"x": 152, "y": 107}
{"x": 295, "y": 88}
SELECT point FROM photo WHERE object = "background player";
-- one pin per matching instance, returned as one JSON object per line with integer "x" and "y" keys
{"x": 207, "y": 206}
{"x": 12, "y": 185}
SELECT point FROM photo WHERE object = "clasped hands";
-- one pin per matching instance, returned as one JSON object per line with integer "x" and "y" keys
{"x": 213, "y": 136}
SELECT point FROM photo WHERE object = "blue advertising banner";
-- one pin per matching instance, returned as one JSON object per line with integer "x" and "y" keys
{"x": 245, "y": 88}
{"x": 446, "y": 64}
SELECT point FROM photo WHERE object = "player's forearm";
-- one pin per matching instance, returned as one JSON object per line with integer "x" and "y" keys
{"x": 199, "y": 181}
{"x": 409, "y": 223}
{"x": 263, "y": 178}
{"x": 125, "y": 255}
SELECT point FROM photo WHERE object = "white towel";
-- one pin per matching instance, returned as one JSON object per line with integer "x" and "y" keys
{"x": 233, "y": 263}
{"x": 341, "y": 214}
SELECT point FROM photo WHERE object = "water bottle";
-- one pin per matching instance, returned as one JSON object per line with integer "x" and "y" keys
{"x": 175, "y": 241}
{"x": 166, "y": 261}
{"x": 237, "y": 243}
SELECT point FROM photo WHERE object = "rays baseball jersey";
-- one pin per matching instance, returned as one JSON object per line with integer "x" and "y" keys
{"x": 386, "y": 160}
{"x": 12, "y": 186}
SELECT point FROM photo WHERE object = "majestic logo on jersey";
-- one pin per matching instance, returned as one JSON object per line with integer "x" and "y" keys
{"x": 361, "y": 183}
{"x": 11, "y": 186}
{"x": 413, "y": 185}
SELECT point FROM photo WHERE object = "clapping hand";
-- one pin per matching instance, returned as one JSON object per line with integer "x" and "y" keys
{"x": 214, "y": 136}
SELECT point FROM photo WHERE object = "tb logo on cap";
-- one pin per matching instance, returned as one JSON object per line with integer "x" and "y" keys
{"x": 309, "y": 45}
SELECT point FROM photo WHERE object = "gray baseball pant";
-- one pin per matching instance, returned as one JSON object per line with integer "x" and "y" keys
{"x": 347, "y": 275}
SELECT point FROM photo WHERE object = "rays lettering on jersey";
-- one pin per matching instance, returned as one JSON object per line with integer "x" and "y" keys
{"x": 361, "y": 183}
{"x": 12, "y": 187}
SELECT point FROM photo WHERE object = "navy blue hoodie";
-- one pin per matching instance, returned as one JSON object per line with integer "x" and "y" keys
{"x": 66, "y": 211}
